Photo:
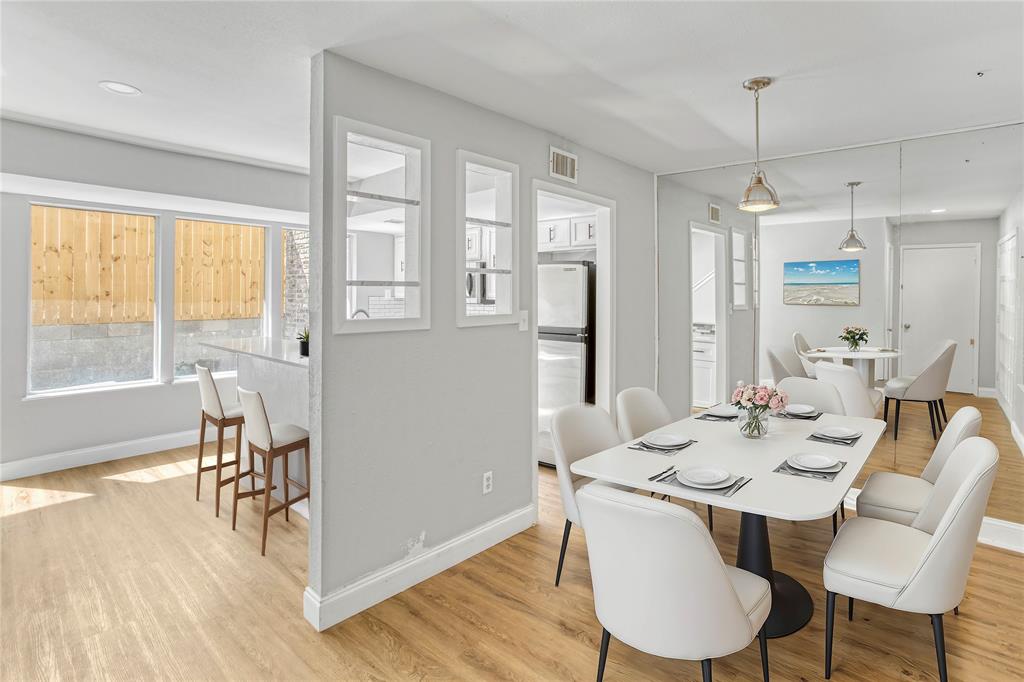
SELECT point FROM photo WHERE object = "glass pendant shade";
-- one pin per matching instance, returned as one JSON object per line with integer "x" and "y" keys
{"x": 759, "y": 195}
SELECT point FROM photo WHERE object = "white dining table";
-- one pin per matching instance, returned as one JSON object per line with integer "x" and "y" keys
{"x": 767, "y": 494}
{"x": 863, "y": 360}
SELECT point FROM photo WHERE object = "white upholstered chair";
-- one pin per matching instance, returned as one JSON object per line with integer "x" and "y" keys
{"x": 921, "y": 567}
{"x": 858, "y": 399}
{"x": 270, "y": 441}
{"x": 821, "y": 395}
{"x": 898, "y": 497}
{"x": 927, "y": 387}
{"x": 640, "y": 411}
{"x": 578, "y": 431}
{"x": 222, "y": 417}
{"x": 661, "y": 586}
{"x": 784, "y": 362}
{"x": 802, "y": 348}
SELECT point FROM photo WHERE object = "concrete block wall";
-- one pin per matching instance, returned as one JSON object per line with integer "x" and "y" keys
{"x": 295, "y": 309}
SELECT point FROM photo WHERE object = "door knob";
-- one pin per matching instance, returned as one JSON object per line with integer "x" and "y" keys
{"x": 906, "y": 325}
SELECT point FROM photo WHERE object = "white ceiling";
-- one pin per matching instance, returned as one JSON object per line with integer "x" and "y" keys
{"x": 655, "y": 84}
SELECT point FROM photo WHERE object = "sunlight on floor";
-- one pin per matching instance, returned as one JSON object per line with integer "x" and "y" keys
{"x": 17, "y": 499}
{"x": 160, "y": 472}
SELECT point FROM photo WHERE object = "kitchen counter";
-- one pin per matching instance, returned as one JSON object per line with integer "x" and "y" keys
{"x": 284, "y": 351}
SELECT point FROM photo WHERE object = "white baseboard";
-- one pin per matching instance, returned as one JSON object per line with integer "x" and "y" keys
{"x": 987, "y": 392}
{"x": 323, "y": 612}
{"x": 44, "y": 464}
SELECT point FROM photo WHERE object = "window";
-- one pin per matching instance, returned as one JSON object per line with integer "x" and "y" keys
{"x": 385, "y": 219}
{"x": 92, "y": 297}
{"x": 294, "y": 282}
{"x": 218, "y": 290}
{"x": 739, "y": 270}
{"x": 487, "y": 212}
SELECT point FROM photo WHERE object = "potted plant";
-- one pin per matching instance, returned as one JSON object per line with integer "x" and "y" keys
{"x": 854, "y": 337}
{"x": 304, "y": 342}
{"x": 754, "y": 403}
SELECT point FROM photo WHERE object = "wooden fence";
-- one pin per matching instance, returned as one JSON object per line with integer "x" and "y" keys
{"x": 97, "y": 267}
{"x": 91, "y": 267}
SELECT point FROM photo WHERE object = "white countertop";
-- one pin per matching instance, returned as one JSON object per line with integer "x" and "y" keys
{"x": 284, "y": 351}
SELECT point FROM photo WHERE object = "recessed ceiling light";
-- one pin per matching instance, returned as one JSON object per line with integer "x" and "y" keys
{"x": 119, "y": 88}
{"x": 938, "y": 210}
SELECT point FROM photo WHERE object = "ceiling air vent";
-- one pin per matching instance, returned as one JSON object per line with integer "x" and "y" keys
{"x": 563, "y": 165}
{"x": 714, "y": 214}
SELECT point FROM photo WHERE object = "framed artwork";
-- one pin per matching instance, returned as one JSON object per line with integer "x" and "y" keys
{"x": 821, "y": 282}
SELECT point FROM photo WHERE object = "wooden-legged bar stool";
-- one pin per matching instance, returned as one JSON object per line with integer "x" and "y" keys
{"x": 270, "y": 441}
{"x": 221, "y": 417}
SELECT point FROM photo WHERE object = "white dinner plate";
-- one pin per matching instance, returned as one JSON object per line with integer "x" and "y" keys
{"x": 665, "y": 441}
{"x": 800, "y": 409}
{"x": 723, "y": 410}
{"x": 813, "y": 462}
{"x": 704, "y": 476}
{"x": 837, "y": 432}
{"x": 729, "y": 480}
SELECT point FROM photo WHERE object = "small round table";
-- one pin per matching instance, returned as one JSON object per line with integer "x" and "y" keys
{"x": 863, "y": 360}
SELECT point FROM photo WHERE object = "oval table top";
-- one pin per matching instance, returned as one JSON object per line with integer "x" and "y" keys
{"x": 842, "y": 352}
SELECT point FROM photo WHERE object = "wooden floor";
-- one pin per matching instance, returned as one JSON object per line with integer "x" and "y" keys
{"x": 114, "y": 571}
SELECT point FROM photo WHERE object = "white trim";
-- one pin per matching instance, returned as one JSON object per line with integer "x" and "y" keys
{"x": 994, "y": 532}
{"x": 69, "y": 459}
{"x": 976, "y": 247}
{"x": 336, "y": 606}
{"x": 987, "y": 392}
{"x": 1018, "y": 436}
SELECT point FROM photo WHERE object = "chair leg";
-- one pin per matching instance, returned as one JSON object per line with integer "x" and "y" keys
{"x": 896, "y": 422}
{"x": 605, "y": 638}
{"x": 561, "y": 556}
{"x": 705, "y": 669}
{"x": 956, "y": 610}
{"x": 199, "y": 463}
{"x": 711, "y": 519}
{"x": 284, "y": 482}
{"x": 835, "y": 524}
{"x": 234, "y": 485}
{"x": 940, "y": 646}
{"x": 849, "y": 609}
{"x": 216, "y": 476}
{"x": 842, "y": 510}
{"x": 830, "y": 613}
{"x": 268, "y": 471}
{"x": 762, "y": 639}
{"x": 885, "y": 410}
{"x": 931, "y": 420}
{"x": 252, "y": 471}
{"x": 938, "y": 417}
{"x": 942, "y": 406}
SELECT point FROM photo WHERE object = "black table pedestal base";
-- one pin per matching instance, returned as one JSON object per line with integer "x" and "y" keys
{"x": 792, "y": 606}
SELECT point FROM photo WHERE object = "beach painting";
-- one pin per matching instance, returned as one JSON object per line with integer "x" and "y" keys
{"x": 821, "y": 282}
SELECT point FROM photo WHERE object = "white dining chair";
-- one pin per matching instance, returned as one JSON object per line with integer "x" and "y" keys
{"x": 222, "y": 416}
{"x": 923, "y": 567}
{"x": 640, "y": 411}
{"x": 802, "y": 348}
{"x": 895, "y": 497}
{"x": 784, "y": 362}
{"x": 858, "y": 399}
{"x": 824, "y": 397}
{"x": 270, "y": 441}
{"x": 661, "y": 586}
{"x": 927, "y": 387}
{"x": 577, "y": 431}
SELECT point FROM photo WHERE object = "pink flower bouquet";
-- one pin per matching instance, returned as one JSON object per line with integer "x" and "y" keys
{"x": 754, "y": 402}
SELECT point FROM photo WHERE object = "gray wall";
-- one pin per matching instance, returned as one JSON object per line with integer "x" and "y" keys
{"x": 962, "y": 232}
{"x": 405, "y": 423}
{"x": 677, "y": 206}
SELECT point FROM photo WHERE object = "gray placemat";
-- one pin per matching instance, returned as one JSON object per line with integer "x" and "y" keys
{"x": 850, "y": 444}
{"x": 721, "y": 492}
{"x": 713, "y": 418}
{"x": 828, "y": 476}
{"x": 782, "y": 415}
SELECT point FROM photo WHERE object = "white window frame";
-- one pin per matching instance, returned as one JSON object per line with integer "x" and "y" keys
{"x": 462, "y": 158}
{"x": 339, "y": 230}
{"x": 744, "y": 259}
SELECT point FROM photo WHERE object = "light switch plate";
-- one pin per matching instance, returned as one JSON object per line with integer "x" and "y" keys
{"x": 524, "y": 320}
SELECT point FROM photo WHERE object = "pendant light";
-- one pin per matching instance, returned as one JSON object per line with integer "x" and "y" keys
{"x": 852, "y": 241}
{"x": 759, "y": 195}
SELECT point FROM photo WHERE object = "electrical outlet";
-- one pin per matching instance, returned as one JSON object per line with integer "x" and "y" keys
{"x": 488, "y": 482}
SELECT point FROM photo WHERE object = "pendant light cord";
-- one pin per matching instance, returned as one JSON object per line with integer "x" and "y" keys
{"x": 757, "y": 130}
{"x": 851, "y": 207}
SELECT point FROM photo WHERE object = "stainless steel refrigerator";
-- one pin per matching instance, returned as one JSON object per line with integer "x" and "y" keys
{"x": 565, "y": 342}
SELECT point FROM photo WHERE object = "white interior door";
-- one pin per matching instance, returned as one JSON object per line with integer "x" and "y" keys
{"x": 940, "y": 300}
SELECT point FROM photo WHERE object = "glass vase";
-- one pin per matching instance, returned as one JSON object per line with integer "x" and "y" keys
{"x": 753, "y": 421}
{"x": 853, "y": 345}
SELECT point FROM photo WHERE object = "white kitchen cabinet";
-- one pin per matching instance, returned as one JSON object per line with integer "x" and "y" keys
{"x": 583, "y": 231}
{"x": 703, "y": 383}
{"x": 554, "y": 234}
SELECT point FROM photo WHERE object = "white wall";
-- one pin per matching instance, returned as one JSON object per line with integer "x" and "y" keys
{"x": 986, "y": 232}
{"x": 37, "y": 432}
{"x": 677, "y": 206}
{"x": 404, "y": 424}
{"x": 702, "y": 264}
{"x": 821, "y": 325}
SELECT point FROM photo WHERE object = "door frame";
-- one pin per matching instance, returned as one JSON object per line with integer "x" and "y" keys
{"x": 604, "y": 371}
{"x": 723, "y": 305}
{"x": 974, "y": 246}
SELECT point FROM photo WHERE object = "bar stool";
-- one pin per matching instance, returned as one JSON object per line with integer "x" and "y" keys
{"x": 213, "y": 411}
{"x": 270, "y": 441}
